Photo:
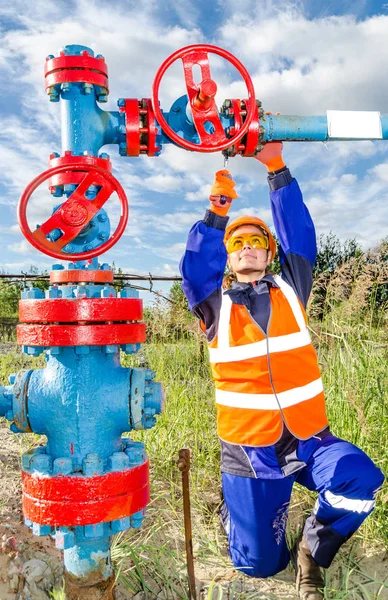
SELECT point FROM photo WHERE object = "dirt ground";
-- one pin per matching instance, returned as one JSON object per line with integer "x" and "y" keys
{"x": 30, "y": 566}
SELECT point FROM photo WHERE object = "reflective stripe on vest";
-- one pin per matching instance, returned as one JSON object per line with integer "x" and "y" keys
{"x": 270, "y": 401}
{"x": 267, "y": 379}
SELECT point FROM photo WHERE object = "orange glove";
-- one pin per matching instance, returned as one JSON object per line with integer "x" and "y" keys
{"x": 271, "y": 156}
{"x": 222, "y": 193}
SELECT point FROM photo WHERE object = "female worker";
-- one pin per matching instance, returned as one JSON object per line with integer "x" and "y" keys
{"x": 271, "y": 416}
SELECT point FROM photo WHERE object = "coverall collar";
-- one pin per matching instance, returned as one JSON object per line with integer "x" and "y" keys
{"x": 240, "y": 285}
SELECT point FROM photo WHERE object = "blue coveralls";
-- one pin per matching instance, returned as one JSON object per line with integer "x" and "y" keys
{"x": 257, "y": 481}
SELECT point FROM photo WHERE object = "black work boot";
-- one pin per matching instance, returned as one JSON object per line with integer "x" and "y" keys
{"x": 309, "y": 580}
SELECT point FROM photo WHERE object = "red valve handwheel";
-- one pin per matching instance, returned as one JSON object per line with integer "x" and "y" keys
{"x": 198, "y": 55}
{"x": 75, "y": 213}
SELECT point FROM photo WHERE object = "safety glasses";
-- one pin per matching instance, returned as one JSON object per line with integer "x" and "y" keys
{"x": 254, "y": 240}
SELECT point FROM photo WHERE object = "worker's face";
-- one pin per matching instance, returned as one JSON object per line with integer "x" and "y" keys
{"x": 249, "y": 260}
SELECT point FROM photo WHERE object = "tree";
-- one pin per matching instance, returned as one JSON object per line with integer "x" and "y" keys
{"x": 9, "y": 299}
{"x": 177, "y": 296}
{"x": 331, "y": 254}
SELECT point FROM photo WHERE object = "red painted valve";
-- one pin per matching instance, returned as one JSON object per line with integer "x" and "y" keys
{"x": 201, "y": 97}
{"x": 75, "y": 213}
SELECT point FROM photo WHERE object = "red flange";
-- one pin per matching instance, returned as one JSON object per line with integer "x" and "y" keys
{"x": 201, "y": 98}
{"x": 249, "y": 145}
{"x": 150, "y": 125}
{"x": 80, "y": 309}
{"x": 236, "y": 108}
{"x": 80, "y": 275}
{"x": 132, "y": 126}
{"x": 78, "y": 500}
{"x": 75, "y": 177}
{"x": 75, "y": 213}
{"x": 80, "y": 335}
{"x": 252, "y": 138}
{"x": 76, "y": 69}
{"x": 140, "y": 127}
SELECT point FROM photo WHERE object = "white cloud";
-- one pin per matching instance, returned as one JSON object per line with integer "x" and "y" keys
{"x": 352, "y": 207}
{"x": 381, "y": 171}
{"x": 174, "y": 252}
{"x": 162, "y": 183}
{"x": 348, "y": 178}
{"x": 200, "y": 194}
{"x": 255, "y": 211}
{"x": 172, "y": 222}
{"x": 24, "y": 247}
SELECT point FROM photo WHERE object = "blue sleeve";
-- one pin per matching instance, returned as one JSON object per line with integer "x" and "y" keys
{"x": 295, "y": 231}
{"x": 293, "y": 224}
{"x": 203, "y": 263}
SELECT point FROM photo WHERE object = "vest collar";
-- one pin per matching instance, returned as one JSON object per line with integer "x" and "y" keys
{"x": 269, "y": 278}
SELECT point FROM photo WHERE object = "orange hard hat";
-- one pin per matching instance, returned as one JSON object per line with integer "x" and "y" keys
{"x": 247, "y": 220}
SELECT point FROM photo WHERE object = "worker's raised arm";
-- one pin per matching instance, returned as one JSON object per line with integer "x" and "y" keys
{"x": 293, "y": 224}
{"x": 203, "y": 263}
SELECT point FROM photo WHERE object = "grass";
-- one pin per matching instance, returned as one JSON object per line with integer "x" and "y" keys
{"x": 353, "y": 357}
{"x": 12, "y": 361}
{"x": 59, "y": 594}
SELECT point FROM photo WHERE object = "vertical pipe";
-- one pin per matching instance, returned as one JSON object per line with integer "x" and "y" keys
{"x": 88, "y": 569}
{"x": 83, "y": 123}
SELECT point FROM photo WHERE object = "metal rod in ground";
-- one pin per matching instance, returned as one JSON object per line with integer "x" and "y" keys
{"x": 184, "y": 467}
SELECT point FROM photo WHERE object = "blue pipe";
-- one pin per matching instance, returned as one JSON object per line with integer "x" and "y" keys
{"x": 85, "y": 126}
{"x": 291, "y": 128}
{"x": 294, "y": 128}
{"x": 79, "y": 389}
{"x": 88, "y": 556}
{"x": 5, "y": 401}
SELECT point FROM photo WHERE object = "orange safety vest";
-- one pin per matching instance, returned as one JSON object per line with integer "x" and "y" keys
{"x": 264, "y": 380}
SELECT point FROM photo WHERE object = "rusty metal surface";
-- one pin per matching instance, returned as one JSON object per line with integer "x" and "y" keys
{"x": 20, "y": 397}
{"x": 81, "y": 275}
{"x": 184, "y": 467}
{"x": 89, "y": 588}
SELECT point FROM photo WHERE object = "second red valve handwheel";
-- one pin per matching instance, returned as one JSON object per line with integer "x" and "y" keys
{"x": 75, "y": 213}
{"x": 206, "y": 118}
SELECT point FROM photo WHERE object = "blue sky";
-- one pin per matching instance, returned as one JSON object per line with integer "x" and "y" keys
{"x": 304, "y": 57}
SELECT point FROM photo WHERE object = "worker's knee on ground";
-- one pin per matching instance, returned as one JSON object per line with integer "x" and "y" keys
{"x": 260, "y": 568}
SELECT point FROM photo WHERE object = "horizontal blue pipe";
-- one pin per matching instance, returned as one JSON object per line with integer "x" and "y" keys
{"x": 291, "y": 128}
{"x": 5, "y": 400}
{"x": 294, "y": 128}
